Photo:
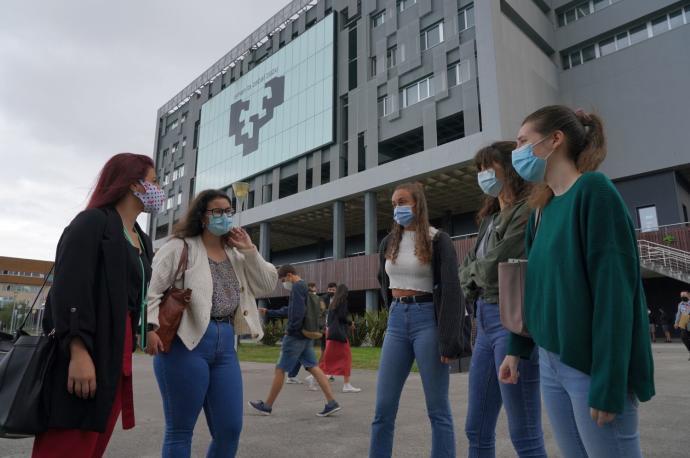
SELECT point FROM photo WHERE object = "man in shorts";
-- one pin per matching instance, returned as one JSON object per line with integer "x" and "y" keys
{"x": 296, "y": 347}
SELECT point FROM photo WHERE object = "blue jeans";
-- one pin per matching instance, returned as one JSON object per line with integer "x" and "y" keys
{"x": 207, "y": 377}
{"x": 486, "y": 394}
{"x": 295, "y": 370}
{"x": 412, "y": 334}
{"x": 566, "y": 397}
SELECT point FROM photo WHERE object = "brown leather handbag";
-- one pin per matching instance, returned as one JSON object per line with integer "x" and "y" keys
{"x": 173, "y": 304}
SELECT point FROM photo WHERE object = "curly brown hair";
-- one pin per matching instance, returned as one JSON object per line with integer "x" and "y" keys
{"x": 515, "y": 188}
{"x": 423, "y": 242}
{"x": 193, "y": 222}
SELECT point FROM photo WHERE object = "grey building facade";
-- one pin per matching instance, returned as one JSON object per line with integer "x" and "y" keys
{"x": 419, "y": 86}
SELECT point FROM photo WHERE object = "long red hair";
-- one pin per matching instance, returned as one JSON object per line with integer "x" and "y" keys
{"x": 117, "y": 175}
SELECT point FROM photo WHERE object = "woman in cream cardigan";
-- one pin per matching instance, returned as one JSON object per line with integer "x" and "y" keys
{"x": 225, "y": 273}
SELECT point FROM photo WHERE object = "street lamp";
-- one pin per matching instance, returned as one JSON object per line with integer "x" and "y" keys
{"x": 241, "y": 191}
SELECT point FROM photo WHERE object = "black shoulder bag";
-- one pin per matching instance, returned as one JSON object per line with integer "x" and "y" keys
{"x": 25, "y": 365}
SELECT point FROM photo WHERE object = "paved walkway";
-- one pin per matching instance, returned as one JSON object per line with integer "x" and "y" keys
{"x": 294, "y": 430}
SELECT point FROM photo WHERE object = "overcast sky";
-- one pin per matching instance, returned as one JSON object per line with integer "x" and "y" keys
{"x": 81, "y": 81}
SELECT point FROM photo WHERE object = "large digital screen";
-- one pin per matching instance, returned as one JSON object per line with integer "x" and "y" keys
{"x": 281, "y": 109}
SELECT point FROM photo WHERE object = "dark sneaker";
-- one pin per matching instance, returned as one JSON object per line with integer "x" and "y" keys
{"x": 330, "y": 408}
{"x": 261, "y": 407}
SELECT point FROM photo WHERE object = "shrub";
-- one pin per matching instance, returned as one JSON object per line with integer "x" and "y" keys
{"x": 273, "y": 331}
{"x": 359, "y": 335}
{"x": 377, "y": 322}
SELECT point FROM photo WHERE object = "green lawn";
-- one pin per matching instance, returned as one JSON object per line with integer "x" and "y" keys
{"x": 362, "y": 357}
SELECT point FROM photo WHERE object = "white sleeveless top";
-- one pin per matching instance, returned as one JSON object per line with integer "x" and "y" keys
{"x": 408, "y": 272}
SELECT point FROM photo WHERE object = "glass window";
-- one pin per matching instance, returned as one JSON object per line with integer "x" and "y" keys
{"x": 390, "y": 57}
{"x": 174, "y": 175}
{"x": 424, "y": 89}
{"x": 169, "y": 203}
{"x": 174, "y": 148}
{"x": 384, "y": 106}
{"x": 561, "y": 20}
{"x": 405, "y": 4}
{"x": 676, "y": 18}
{"x": 464, "y": 71}
{"x": 452, "y": 76}
{"x": 570, "y": 16}
{"x": 599, "y": 4}
{"x": 372, "y": 62}
{"x": 582, "y": 10}
{"x": 166, "y": 180}
{"x": 184, "y": 141}
{"x": 411, "y": 95}
{"x": 687, "y": 14}
{"x": 622, "y": 40}
{"x": 607, "y": 46}
{"x": 466, "y": 18}
{"x": 432, "y": 36}
{"x": 575, "y": 59}
{"x": 378, "y": 19}
{"x": 588, "y": 53}
{"x": 648, "y": 218}
{"x": 659, "y": 25}
{"x": 181, "y": 174}
{"x": 179, "y": 198}
{"x": 638, "y": 34}
{"x": 566, "y": 61}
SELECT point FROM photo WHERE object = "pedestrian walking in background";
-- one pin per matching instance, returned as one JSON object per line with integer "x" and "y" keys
{"x": 665, "y": 322}
{"x": 337, "y": 359}
{"x": 102, "y": 270}
{"x": 419, "y": 283}
{"x": 201, "y": 370}
{"x": 683, "y": 319}
{"x": 502, "y": 220}
{"x": 296, "y": 347}
{"x": 292, "y": 375}
{"x": 595, "y": 364}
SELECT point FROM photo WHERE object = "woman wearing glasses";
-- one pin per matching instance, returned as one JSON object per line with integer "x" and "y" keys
{"x": 225, "y": 272}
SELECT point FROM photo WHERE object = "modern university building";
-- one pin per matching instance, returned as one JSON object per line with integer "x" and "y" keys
{"x": 330, "y": 103}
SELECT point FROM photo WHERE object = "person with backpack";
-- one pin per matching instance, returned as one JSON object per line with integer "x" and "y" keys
{"x": 682, "y": 321}
{"x": 502, "y": 220}
{"x": 337, "y": 359}
{"x": 302, "y": 329}
{"x": 292, "y": 375}
{"x": 584, "y": 303}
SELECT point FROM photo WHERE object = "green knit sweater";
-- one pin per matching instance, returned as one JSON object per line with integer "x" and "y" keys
{"x": 583, "y": 294}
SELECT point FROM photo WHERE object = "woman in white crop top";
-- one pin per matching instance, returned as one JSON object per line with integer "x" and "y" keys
{"x": 419, "y": 282}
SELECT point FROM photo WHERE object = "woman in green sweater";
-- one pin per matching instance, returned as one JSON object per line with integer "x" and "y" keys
{"x": 584, "y": 303}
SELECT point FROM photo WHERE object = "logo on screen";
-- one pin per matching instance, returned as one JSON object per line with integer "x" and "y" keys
{"x": 269, "y": 104}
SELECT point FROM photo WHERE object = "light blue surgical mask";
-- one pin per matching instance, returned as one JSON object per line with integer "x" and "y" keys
{"x": 403, "y": 215}
{"x": 489, "y": 183}
{"x": 219, "y": 225}
{"x": 530, "y": 167}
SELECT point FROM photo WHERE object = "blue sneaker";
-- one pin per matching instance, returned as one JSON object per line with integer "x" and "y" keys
{"x": 330, "y": 408}
{"x": 261, "y": 407}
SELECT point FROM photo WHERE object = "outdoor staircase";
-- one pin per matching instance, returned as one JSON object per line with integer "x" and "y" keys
{"x": 664, "y": 260}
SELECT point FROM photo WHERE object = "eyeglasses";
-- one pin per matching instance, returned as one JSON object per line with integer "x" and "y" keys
{"x": 221, "y": 211}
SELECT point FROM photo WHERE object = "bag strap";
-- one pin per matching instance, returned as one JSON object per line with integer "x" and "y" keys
{"x": 182, "y": 265}
{"x": 537, "y": 220}
{"x": 45, "y": 281}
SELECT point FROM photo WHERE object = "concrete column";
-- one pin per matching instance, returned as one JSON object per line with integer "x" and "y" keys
{"x": 338, "y": 229}
{"x": 265, "y": 240}
{"x": 371, "y": 242}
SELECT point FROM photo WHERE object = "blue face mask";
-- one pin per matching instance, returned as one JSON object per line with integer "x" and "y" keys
{"x": 489, "y": 183}
{"x": 219, "y": 225}
{"x": 527, "y": 165}
{"x": 403, "y": 215}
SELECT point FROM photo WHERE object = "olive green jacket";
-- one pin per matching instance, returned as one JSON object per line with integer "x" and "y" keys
{"x": 480, "y": 276}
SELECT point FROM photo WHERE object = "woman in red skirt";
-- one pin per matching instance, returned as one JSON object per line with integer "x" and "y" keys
{"x": 337, "y": 358}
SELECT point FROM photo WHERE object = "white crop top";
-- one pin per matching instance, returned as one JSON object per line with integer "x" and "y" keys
{"x": 408, "y": 272}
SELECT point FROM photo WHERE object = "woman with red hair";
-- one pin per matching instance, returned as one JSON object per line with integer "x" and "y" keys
{"x": 102, "y": 269}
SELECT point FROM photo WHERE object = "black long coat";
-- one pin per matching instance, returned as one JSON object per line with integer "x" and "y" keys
{"x": 89, "y": 299}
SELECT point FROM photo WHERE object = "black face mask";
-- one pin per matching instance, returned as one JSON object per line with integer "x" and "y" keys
{"x": 331, "y": 294}
{"x": 683, "y": 299}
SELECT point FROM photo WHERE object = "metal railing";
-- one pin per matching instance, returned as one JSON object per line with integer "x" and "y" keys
{"x": 673, "y": 260}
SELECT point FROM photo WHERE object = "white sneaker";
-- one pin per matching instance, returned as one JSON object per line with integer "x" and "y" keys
{"x": 348, "y": 388}
{"x": 313, "y": 386}
{"x": 293, "y": 381}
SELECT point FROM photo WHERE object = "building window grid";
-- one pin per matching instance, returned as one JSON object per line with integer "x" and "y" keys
{"x": 626, "y": 38}
{"x": 582, "y": 9}
{"x": 391, "y": 58}
{"x": 179, "y": 198}
{"x": 416, "y": 92}
{"x": 405, "y": 4}
{"x": 384, "y": 105}
{"x": 466, "y": 17}
{"x": 372, "y": 63}
{"x": 426, "y": 42}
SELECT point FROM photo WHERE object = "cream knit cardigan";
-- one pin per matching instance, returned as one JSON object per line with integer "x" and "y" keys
{"x": 256, "y": 276}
